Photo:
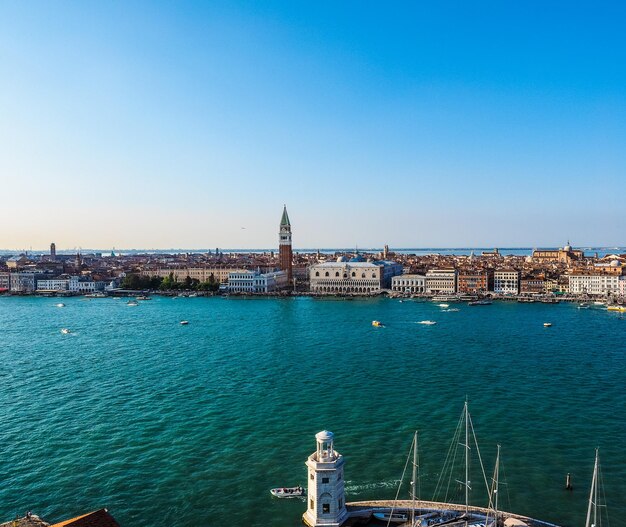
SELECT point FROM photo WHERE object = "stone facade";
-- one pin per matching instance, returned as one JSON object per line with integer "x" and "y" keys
{"x": 409, "y": 283}
{"x": 441, "y": 281}
{"x": 352, "y": 276}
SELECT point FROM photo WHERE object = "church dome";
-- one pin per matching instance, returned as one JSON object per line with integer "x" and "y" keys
{"x": 342, "y": 259}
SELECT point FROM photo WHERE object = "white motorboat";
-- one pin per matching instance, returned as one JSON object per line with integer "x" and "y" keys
{"x": 287, "y": 492}
{"x": 547, "y": 324}
{"x": 391, "y": 516}
{"x": 60, "y": 305}
{"x": 427, "y": 322}
{"x": 65, "y": 331}
{"x": 444, "y": 305}
{"x": 184, "y": 322}
{"x": 132, "y": 303}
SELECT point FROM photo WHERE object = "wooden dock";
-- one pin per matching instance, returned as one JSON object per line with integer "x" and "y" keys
{"x": 363, "y": 510}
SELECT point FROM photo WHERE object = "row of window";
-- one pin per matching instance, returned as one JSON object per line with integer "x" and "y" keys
{"x": 345, "y": 275}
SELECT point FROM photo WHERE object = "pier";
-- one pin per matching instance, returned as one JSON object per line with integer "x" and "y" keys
{"x": 361, "y": 511}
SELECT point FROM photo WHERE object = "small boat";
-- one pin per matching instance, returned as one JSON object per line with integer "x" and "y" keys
{"x": 480, "y": 303}
{"x": 98, "y": 294}
{"x": 451, "y": 310}
{"x": 550, "y": 300}
{"x": 60, "y": 305}
{"x": 621, "y": 309}
{"x": 583, "y": 306}
{"x": 65, "y": 331}
{"x": 132, "y": 303}
{"x": 547, "y": 324}
{"x": 144, "y": 297}
{"x": 427, "y": 322}
{"x": 184, "y": 322}
{"x": 392, "y": 517}
{"x": 443, "y": 305}
{"x": 377, "y": 324}
{"x": 287, "y": 492}
{"x": 598, "y": 303}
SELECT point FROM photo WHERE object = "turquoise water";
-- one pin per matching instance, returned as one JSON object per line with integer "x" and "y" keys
{"x": 192, "y": 425}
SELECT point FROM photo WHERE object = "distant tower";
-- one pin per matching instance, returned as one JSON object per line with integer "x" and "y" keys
{"x": 78, "y": 261}
{"x": 386, "y": 252}
{"x": 284, "y": 247}
{"x": 53, "y": 252}
{"x": 326, "y": 497}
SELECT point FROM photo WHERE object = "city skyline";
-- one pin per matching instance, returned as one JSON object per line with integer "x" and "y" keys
{"x": 153, "y": 125}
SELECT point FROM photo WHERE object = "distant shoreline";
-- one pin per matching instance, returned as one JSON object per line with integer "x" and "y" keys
{"x": 519, "y": 251}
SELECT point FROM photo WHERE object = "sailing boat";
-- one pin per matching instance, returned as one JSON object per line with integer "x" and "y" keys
{"x": 493, "y": 494}
{"x": 468, "y": 518}
{"x": 594, "y": 517}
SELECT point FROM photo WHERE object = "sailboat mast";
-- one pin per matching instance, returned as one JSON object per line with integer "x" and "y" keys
{"x": 593, "y": 495}
{"x": 466, "y": 459}
{"x": 496, "y": 476}
{"x": 414, "y": 478}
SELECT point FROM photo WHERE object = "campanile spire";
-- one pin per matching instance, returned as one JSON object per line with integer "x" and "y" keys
{"x": 284, "y": 245}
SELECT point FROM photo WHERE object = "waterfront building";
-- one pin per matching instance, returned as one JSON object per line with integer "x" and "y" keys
{"x": 441, "y": 281}
{"x": 285, "y": 254}
{"x": 475, "y": 281}
{"x": 532, "y": 285}
{"x": 326, "y": 505}
{"x": 355, "y": 275}
{"x": 565, "y": 255}
{"x": 621, "y": 286}
{"x": 73, "y": 284}
{"x": 53, "y": 284}
{"x": 409, "y": 283}
{"x": 82, "y": 285}
{"x": 506, "y": 282}
{"x": 596, "y": 284}
{"x": 550, "y": 285}
{"x": 5, "y": 281}
{"x": 23, "y": 282}
{"x": 256, "y": 282}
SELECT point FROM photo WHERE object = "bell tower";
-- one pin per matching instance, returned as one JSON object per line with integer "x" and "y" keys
{"x": 326, "y": 500}
{"x": 284, "y": 245}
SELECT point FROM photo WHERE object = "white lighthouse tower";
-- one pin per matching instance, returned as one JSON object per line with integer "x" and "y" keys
{"x": 326, "y": 497}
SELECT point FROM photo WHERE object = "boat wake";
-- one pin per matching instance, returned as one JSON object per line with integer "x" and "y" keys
{"x": 362, "y": 487}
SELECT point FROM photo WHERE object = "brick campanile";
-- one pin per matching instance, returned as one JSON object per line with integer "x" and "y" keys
{"x": 284, "y": 245}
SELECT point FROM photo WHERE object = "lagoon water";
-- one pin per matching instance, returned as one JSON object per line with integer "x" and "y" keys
{"x": 192, "y": 425}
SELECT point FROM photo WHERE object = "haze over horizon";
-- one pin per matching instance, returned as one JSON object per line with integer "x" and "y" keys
{"x": 152, "y": 124}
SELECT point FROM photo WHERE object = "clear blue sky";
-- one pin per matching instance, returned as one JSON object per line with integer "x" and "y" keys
{"x": 175, "y": 124}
